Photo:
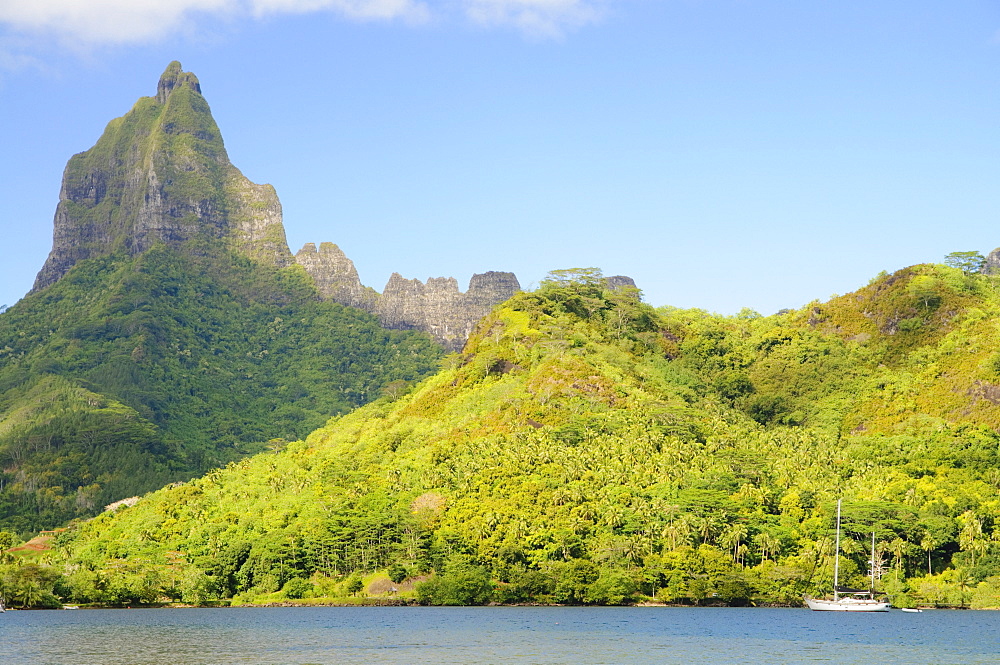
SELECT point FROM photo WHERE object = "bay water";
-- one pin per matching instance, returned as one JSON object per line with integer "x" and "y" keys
{"x": 577, "y": 635}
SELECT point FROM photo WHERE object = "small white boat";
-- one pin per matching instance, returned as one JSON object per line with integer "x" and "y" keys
{"x": 853, "y": 600}
{"x": 910, "y": 609}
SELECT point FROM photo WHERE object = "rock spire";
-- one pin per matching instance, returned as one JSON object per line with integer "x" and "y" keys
{"x": 992, "y": 263}
{"x": 436, "y": 307}
{"x": 439, "y": 308}
{"x": 161, "y": 173}
{"x": 335, "y": 276}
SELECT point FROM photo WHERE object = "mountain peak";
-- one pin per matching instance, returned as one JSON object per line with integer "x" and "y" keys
{"x": 160, "y": 173}
{"x": 174, "y": 76}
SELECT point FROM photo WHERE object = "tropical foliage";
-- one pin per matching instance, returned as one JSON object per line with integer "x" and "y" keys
{"x": 133, "y": 372}
{"x": 586, "y": 448}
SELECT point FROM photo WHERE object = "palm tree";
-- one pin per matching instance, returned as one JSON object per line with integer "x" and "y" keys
{"x": 897, "y": 547}
{"x": 732, "y": 537}
{"x": 30, "y": 593}
{"x": 963, "y": 580}
{"x": 679, "y": 531}
{"x": 970, "y": 537}
{"x": 927, "y": 544}
{"x": 706, "y": 525}
{"x": 741, "y": 553}
{"x": 767, "y": 543}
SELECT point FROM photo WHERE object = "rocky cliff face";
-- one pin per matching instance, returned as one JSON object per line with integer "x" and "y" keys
{"x": 161, "y": 174}
{"x": 439, "y": 308}
{"x": 335, "y": 275}
{"x": 436, "y": 307}
{"x": 992, "y": 265}
{"x": 617, "y": 282}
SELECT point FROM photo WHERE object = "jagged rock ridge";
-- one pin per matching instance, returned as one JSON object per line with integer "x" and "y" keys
{"x": 335, "y": 276}
{"x": 992, "y": 263}
{"x": 436, "y": 307}
{"x": 439, "y": 308}
{"x": 161, "y": 173}
{"x": 616, "y": 282}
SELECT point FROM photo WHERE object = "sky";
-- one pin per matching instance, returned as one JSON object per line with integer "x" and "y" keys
{"x": 723, "y": 153}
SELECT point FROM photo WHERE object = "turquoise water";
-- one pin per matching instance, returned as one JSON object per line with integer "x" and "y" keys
{"x": 577, "y": 635}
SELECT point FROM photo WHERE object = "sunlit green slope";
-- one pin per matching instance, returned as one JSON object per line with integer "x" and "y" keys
{"x": 132, "y": 372}
{"x": 167, "y": 332}
{"x": 915, "y": 351}
{"x": 586, "y": 448}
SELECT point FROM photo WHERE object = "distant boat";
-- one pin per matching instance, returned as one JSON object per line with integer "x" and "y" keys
{"x": 854, "y": 601}
{"x": 910, "y": 609}
{"x": 845, "y": 599}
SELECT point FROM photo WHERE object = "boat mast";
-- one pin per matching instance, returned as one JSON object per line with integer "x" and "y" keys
{"x": 873, "y": 561}
{"x": 836, "y": 558}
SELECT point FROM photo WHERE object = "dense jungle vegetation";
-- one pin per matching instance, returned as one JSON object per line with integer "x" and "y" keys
{"x": 587, "y": 448}
{"x": 132, "y": 372}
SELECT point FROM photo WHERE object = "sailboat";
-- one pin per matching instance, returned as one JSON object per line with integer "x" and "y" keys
{"x": 845, "y": 599}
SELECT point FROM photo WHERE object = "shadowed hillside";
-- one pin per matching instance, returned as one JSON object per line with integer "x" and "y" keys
{"x": 169, "y": 331}
{"x": 587, "y": 448}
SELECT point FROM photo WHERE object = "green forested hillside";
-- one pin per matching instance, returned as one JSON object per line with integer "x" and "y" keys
{"x": 916, "y": 351}
{"x": 166, "y": 333}
{"x": 134, "y": 371}
{"x": 586, "y": 448}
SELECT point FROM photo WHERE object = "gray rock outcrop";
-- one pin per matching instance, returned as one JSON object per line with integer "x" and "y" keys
{"x": 439, "y": 308}
{"x": 992, "y": 265}
{"x": 617, "y": 282}
{"x": 436, "y": 307}
{"x": 335, "y": 276}
{"x": 161, "y": 173}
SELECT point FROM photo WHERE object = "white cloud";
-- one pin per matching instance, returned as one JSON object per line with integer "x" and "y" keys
{"x": 355, "y": 9}
{"x": 132, "y": 21}
{"x": 110, "y": 22}
{"x": 103, "y": 21}
{"x": 544, "y": 18}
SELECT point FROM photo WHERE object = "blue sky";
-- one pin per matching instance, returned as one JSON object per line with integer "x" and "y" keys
{"x": 723, "y": 153}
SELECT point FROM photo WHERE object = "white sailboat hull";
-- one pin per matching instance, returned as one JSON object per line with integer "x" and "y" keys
{"x": 847, "y": 605}
{"x": 858, "y": 600}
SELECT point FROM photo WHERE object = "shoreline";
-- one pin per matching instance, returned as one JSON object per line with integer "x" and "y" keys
{"x": 405, "y": 602}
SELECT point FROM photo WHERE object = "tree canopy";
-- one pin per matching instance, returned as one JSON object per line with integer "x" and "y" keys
{"x": 967, "y": 262}
{"x": 586, "y": 448}
{"x": 133, "y": 372}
